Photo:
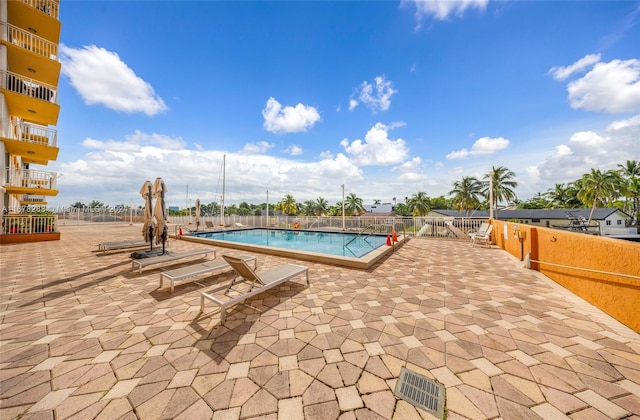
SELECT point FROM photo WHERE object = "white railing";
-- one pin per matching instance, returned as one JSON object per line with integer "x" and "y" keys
{"x": 31, "y": 178}
{"x": 48, "y": 7}
{"x": 28, "y": 41}
{"x": 434, "y": 227}
{"x": 27, "y": 224}
{"x": 30, "y": 133}
{"x": 30, "y": 87}
{"x": 26, "y": 199}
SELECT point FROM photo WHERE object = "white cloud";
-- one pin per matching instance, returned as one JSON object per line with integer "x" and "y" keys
{"x": 101, "y": 77}
{"x": 112, "y": 172}
{"x": 377, "y": 148}
{"x": 376, "y": 95}
{"x": 136, "y": 142}
{"x": 611, "y": 87}
{"x": 442, "y": 9}
{"x": 619, "y": 125}
{"x": 561, "y": 73}
{"x": 288, "y": 119}
{"x": 293, "y": 150}
{"x": 586, "y": 150}
{"x": 259, "y": 147}
{"x": 482, "y": 146}
{"x": 412, "y": 165}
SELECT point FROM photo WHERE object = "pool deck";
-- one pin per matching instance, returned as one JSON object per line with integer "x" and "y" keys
{"x": 84, "y": 337}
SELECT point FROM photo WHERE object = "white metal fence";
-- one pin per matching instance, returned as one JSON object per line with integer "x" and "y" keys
{"x": 14, "y": 225}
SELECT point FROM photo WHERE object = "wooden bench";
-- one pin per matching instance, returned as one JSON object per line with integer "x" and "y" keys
{"x": 179, "y": 274}
{"x": 169, "y": 257}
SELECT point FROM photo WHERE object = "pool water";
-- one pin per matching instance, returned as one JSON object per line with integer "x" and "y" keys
{"x": 332, "y": 243}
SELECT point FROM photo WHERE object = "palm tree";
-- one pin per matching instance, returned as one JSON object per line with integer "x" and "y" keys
{"x": 322, "y": 206}
{"x": 559, "y": 196}
{"x": 633, "y": 192}
{"x": 419, "y": 204}
{"x": 502, "y": 180}
{"x": 337, "y": 209}
{"x": 466, "y": 194}
{"x": 309, "y": 208}
{"x": 288, "y": 205}
{"x": 597, "y": 188}
{"x": 376, "y": 202}
{"x": 353, "y": 205}
{"x": 630, "y": 171}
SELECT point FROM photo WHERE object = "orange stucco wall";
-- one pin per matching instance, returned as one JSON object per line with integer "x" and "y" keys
{"x": 615, "y": 294}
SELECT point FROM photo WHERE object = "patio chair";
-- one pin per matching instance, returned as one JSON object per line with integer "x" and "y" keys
{"x": 484, "y": 238}
{"x": 259, "y": 282}
{"x": 481, "y": 230}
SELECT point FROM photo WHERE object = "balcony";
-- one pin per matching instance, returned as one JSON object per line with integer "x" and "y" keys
{"x": 34, "y": 143}
{"x": 32, "y": 200}
{"x": 30, "y": 99}
{"x": 28, "y": 41}
{"x": 29, "y": 228}
{"x": 37, "y": 16}
{"x": 31, "y": 181}
{"x": 30, "y": 55}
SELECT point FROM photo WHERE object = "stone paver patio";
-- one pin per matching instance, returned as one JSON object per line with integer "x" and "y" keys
{"x": 82, "y": 336}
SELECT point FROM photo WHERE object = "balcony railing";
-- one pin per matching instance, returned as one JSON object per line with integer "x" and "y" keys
{"x": 48, "y": 7}
{"x": 26, "y": 199}
{"x": 13, "y": 225}
{"x": 29, "y": 133}
{"x": 28, "y": 41}
{"x": 31, "y": 178}
{"x": 29, "y": 87}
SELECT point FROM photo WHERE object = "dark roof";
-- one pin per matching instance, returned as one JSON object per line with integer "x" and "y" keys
{"x": 549, "y": 214}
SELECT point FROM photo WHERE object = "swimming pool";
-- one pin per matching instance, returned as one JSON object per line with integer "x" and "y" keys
{"x": 346, "y": 249}
{"x": 333, "y": 243}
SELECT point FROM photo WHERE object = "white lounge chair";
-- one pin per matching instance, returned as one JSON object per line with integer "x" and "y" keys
{"x": 169, "y": 257}
{"x": 182, "y": 273}
{"x": 105, "y": 247}
{"x": 484, "y": 238}
{"x": 259, "y": 282}
{"x": 481, "y": 230}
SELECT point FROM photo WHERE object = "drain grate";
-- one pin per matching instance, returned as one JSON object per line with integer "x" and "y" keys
{"x": 421, "y": 392}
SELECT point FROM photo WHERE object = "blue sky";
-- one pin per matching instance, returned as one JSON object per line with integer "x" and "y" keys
{"x": 387, "y": 98}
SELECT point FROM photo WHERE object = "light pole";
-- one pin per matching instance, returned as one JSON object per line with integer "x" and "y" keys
{"x": 343, "y": 225}
{"x": 267, "y": 207}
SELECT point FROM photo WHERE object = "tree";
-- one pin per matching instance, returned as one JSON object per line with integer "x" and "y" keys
{"x": 503, "y": 184}
{"x": 96, "y": 205}
{"x": 376, "y": 202}
{"x": 337, "y": 209}
{"x": 288, "y": 205}
{"x": 466, "y": 194}
{"x": 440, "y": 202}
{"x": 244, "y": 209}
{"x": 560, "y": 196}
{"x": 598, "y": 188}
{"x": 322, "y": 207}
{"x": 630, "y": 173}
{"x": 353, "y": 205}
{"x": 419, "y": 204}
{"x": 309, "y": 208}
